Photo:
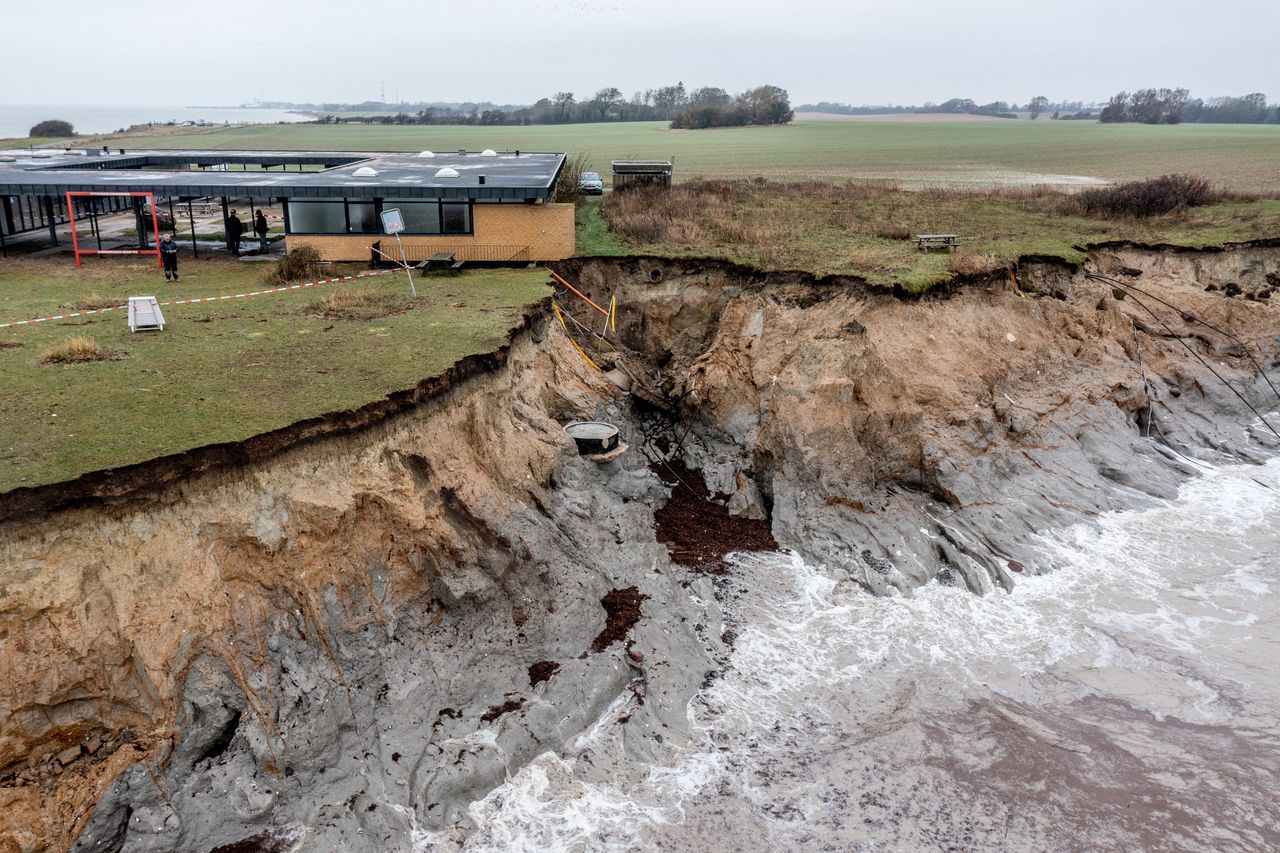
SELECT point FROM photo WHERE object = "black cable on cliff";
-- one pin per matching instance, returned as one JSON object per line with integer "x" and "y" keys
{"x": 1192, "y": 318}
{"x": 1187, "y": 346}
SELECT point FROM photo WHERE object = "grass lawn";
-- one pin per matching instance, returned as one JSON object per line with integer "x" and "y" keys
{"x": 866, "y": 229}
{"x": 221, "y": 371}
{"x": 918, "y": 153}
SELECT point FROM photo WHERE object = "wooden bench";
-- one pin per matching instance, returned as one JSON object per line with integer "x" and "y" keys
{"x": 929, "y": 241}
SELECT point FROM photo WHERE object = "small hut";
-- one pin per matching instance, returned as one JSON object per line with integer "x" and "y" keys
{"x": 634, "y": 173}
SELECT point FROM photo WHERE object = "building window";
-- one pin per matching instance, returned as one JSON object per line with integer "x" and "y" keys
{"x": 362, "y": 218}
{"x": 317, "y": 217}
{"x": 455, "y": 218}
{"x": 433, "y": 217}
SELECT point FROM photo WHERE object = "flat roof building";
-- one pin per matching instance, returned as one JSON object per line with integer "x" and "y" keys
{"x": 479, "y": 206}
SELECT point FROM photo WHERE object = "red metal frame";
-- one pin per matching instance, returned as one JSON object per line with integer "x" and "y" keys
{"x": 75, "y": 240}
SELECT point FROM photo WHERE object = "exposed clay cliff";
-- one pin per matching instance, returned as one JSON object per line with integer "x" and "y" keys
{"x": 348, "y": 641}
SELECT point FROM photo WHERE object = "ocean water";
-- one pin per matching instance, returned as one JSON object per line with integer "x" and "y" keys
{"x": 1129, "y": 700}
{"x": 16, "y": 120}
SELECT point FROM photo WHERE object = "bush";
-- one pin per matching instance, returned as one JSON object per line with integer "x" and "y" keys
{"x": 302, "y": 263}
{"x": 52, "y": 127}
{"x": 76, "y": 350}
{"x": 567, "y": 189}
{"x": 1147, "y": 198}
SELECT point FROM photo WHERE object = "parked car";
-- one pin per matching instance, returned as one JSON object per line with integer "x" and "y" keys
{"x": 591, "y": 184}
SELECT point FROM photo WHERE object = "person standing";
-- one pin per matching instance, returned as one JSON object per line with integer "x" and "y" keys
{"x": 235, "y": 228}
{"x": 260, "y": 228}
{"x": 169, "y": 254}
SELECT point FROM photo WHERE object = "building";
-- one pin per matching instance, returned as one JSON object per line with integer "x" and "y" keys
{"x": 477, "y": 206}
{"x": 635, "y": 173}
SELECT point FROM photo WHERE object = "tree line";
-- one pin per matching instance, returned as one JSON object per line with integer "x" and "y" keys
{"x": 1149, "y": 106}
{"x": 664, "y": 103}
{"x": 1174, "y": 106}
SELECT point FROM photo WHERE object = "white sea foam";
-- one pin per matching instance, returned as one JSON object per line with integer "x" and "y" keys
{"x": 899, "y": 722}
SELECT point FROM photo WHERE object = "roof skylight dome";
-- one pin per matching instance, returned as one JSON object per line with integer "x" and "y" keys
{"x": 365, "y": 172}
{"x": 488, "y": 152}
{"x": 446, "y": 172}
{"x": 426, "y": 153}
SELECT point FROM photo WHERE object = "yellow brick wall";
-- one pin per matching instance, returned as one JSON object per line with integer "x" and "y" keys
{"x": 546, "y": 229}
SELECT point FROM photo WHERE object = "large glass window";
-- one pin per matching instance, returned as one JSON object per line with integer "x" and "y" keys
{"x": 317, "y": 217}
{"x": 455, "y": 218}
{"x": 362, "y": 218}
{"x": 420, "y": 217}
{"x": 433, "y": 217}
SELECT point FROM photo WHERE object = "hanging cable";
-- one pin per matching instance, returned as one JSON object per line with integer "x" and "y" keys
{"x": 1197, "y": 355}
{"x": 1192, "y": 318}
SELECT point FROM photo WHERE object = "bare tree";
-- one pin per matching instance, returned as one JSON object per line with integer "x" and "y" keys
{"x": 1037, "y": 106}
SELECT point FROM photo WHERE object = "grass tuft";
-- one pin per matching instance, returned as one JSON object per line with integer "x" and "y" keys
{"x": 972, "y": 263}
{"x": 76, "y": 350}
{"x": 348, "y": 304}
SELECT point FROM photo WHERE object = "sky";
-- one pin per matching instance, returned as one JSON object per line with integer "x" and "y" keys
{"x": 855, "y": 51}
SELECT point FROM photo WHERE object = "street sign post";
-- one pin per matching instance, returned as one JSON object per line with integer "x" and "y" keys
{"x": 393, "y": 223}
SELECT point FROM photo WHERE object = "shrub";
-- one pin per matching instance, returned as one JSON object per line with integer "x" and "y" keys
{"x": 567, "y": 189}
{"x": 1153, "y": 197}
{"x": 52, "y": 127}
{"x": 300, "y": 263}
{"x": 76, "y": 350}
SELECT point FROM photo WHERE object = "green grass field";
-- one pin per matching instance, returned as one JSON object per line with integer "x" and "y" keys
{"x": 933, "y": 153}
{"x": 866, "y": 230}
{"x": 221, "y": 371}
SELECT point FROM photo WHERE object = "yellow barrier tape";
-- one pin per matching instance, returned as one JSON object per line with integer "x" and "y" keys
{"x": 565, "y": 326}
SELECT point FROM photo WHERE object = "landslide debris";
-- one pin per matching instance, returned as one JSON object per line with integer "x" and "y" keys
{"x": 622, "y": 612}
{"x": 698, "y": 530}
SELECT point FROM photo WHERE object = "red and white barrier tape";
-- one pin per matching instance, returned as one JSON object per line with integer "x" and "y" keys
{"x": 194, "y": 300}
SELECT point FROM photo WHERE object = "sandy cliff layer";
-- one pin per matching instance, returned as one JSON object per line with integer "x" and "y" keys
{"x": 351, "y": 639}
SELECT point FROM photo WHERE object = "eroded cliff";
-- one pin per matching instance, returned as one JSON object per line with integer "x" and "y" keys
{"x": 349, "y": 640}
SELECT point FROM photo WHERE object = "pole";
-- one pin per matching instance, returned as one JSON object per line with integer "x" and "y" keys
{"x": 93, "y": 220}
{"x": 191, "y": 217}
{"x": 75, "y": 240}
{"x": 155, "y": 224}
{"x": 405, "y": 263}
{"x": 53, "y": 220}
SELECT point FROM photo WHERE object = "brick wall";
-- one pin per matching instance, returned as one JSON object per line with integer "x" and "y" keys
{"x": 546, "y": 229}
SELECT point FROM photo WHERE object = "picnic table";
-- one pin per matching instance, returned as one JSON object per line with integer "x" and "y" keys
{"x": 928, "y": 241}
{"x": 440, "y": 258}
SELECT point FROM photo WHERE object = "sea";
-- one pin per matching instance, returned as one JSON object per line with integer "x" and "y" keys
{"x": 16, "y": 120}
{"x": 1128, "y": 700}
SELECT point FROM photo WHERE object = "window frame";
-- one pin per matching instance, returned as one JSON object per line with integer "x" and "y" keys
{"x": 379, "y": 205}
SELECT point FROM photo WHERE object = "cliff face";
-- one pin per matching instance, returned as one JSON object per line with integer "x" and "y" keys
{"x": 905, "y": 439}
{"x": 340, "y": 637}
{"x": 350, "y": 640}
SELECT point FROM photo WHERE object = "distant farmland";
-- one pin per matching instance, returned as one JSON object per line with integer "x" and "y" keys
{"x": 1242, "y": 157}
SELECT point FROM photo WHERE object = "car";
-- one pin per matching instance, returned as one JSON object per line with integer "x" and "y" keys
{"x": 590, "y": 183}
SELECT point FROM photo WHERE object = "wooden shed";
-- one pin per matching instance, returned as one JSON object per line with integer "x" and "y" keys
{"x": 630, "y": 173}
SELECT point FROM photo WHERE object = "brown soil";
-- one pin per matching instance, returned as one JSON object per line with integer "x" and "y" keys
{"x": 697, "y": 530}
{"x": 541, "y": 671}
{"x": 622, "y": 609}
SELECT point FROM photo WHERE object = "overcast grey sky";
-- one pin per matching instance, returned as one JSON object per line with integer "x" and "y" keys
{"x": 514, "y": 51}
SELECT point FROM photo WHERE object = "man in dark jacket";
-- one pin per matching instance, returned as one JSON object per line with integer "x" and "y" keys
{"x": 169, "y": 254}
{"x": 235, "y": 228}
{"x": 260, "y": 228}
